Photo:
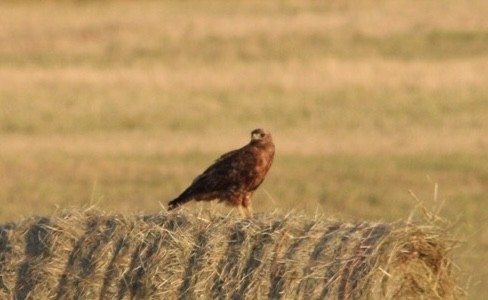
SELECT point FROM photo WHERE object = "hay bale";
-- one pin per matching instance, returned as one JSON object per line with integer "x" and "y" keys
{"x": 88, "y": 255}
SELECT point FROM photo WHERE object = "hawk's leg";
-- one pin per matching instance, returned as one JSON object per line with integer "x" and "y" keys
{"x": 246, "y": 203}
{"x": 241, "y": 211}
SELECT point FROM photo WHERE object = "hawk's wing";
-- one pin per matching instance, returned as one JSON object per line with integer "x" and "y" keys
{"x": 232, "y": 170}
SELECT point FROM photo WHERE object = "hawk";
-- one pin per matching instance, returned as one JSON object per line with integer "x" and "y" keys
{"x": 234, "y": 176}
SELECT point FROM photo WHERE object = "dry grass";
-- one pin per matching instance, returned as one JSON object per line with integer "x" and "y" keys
{"x": 93, "y": 255}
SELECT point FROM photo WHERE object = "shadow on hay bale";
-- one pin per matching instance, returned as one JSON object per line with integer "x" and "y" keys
{"x": 92, "y": 255}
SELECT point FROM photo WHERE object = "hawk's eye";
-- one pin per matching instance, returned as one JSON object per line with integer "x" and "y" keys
{"x": 261, "y": 134}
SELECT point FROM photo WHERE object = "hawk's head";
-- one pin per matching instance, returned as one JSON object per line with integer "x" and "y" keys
{"x": 260, "y": 135}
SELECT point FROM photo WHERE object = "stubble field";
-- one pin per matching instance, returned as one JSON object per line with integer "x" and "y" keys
{"x": 121, "y": 104}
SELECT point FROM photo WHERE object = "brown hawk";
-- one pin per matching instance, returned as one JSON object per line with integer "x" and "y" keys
{"x": 234, "y": 176}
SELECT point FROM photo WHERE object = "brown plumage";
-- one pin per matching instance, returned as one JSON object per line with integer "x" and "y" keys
{"x": 234, "y": 176}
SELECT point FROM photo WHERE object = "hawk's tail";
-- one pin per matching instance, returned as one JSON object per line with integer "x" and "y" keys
{"x": 177, "y": 202}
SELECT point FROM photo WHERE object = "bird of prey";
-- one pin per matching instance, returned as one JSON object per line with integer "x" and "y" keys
{"x": 234, "y": 176}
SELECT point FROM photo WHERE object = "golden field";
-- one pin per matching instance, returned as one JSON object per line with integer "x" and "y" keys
{"x": 121, "y": 104}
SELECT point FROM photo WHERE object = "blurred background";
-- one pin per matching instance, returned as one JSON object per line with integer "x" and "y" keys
{"x": 120, "y": 104}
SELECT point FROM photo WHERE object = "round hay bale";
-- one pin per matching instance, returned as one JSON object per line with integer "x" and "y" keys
{"x": 88, "y": 255}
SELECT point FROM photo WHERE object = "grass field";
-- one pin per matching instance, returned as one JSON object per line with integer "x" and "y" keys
{"x": 121, "y": 104}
